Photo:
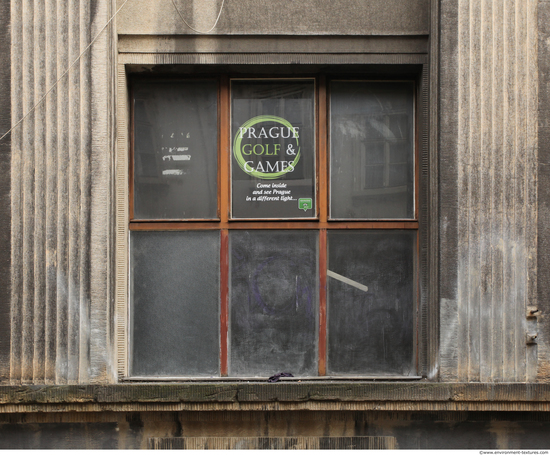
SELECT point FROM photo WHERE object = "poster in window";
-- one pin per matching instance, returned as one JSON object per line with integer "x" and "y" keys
{"x": 273, "y": 149}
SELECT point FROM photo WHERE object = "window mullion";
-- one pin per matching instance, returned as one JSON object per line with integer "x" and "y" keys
{"x": 132, "y": 156}
{"x": 224, "y": 150}
{"x": 322, "y": 165}
{"x": 224, "y": 300}
{"x": 322, "y": 302}
{"x": 322, "y": 197}
{"x": 223, "y": 205}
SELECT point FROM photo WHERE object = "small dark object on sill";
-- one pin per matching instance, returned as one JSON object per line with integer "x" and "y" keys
{"x": 276, "y": 377}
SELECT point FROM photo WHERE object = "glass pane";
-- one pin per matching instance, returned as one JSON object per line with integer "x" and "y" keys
{"x": 273, "y": 137}
{"x": 175, "y": 150}
{"x": 274, "y": 303}
{"x": 175, "y": 303}
{"x": 370, "y": 302}
{"x": 371, "y": 150}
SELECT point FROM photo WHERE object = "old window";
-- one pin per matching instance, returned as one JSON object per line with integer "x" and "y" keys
{"x": 273, "y": 228}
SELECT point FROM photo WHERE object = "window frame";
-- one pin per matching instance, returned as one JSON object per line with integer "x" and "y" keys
{"x": 321, "y": 224}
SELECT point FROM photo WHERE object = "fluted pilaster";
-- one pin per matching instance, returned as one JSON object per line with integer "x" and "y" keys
{"x": 61, "y": 192}
{"x": 489, "y": 100}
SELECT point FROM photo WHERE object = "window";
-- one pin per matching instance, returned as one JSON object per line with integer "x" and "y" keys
{"x": 273, "y": 228}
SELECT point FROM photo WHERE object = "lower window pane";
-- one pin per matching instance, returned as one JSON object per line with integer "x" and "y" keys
{"x": 371, "y": 302}
{"x": 274, "y": 303}
{"x": 175, "y": 303}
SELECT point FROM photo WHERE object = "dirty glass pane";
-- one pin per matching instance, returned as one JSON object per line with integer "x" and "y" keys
{"x": 273, "y": 149}
{"x": 175, "y": 150}
{"x": 371, "y": 150}
{"x": 174, "y": 291}
{"x": 273, "y": 303}
{"x": 370, "y": 302}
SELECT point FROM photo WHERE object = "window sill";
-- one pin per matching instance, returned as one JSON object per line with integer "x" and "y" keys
{"x": 264, "y": 379}
{"x": 280, "y": 396}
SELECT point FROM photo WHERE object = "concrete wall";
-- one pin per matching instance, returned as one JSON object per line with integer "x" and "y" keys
{"x": 62, "y": 153}
{"x": 277, "y": 17}
{"x": 61, "y": 193}
{"x": 488, "y": 192}
{"x": 543, "y": 196}
{"x": 489, "y": 139}
{"x": 62, "y": 182}
{"x": 5, "y": 189}
{"x": 400, "y": 430}
{"x": 487, "y": 154}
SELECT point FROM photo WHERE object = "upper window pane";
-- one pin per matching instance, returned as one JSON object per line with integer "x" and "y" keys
{"x": 371, "y": 150}
{"x": 273, "y": 144}
{"x": 175, "y": 150}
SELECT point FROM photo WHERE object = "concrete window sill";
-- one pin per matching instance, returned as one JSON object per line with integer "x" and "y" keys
{"x": 284, "y": 395}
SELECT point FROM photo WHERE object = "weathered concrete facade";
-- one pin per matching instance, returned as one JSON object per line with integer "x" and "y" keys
{"x": 61, "y": 200}
{"x": 488, "y": 217}
{"x": 484, "y": 196}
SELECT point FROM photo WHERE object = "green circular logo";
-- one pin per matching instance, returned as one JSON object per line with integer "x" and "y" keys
{"x": 242, "y": 162}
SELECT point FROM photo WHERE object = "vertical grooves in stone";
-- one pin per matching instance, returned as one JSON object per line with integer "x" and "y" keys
{"x": 528, "y": 196}
{"x": 51, "y": 195}
{"x": 508, "y": 184}
{"x": 63, "y": 193}
{"x": 74, "y": 195}
{"x": 531, "y": 218}
{"x": 463, "y": 187}
{"x": 541, "y": 131}
{"x": 101, "y": 200}
{"x": 51, "y": 198}
{"x": 5, "y": 187}
{"x": 39, "y": 193}
{"x": 27, "y": 127}
{"x": 497, "y": 187}
{"x": 448, "y": 169}
{"x": 16, "y": 196}
{"x": 432, "y": 200}
{"x": 84, "y": 235}
{"x": 473, "y": 174}
{"x": 520, "y": 195}
{"x": 121, "y": 336}
{"x": 424, "y": 357}
{"x": 485, "y": 326}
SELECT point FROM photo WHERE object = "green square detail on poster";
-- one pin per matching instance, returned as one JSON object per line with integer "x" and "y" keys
{"x": 305, "y": 204}
{"x": 273, "y": 149}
